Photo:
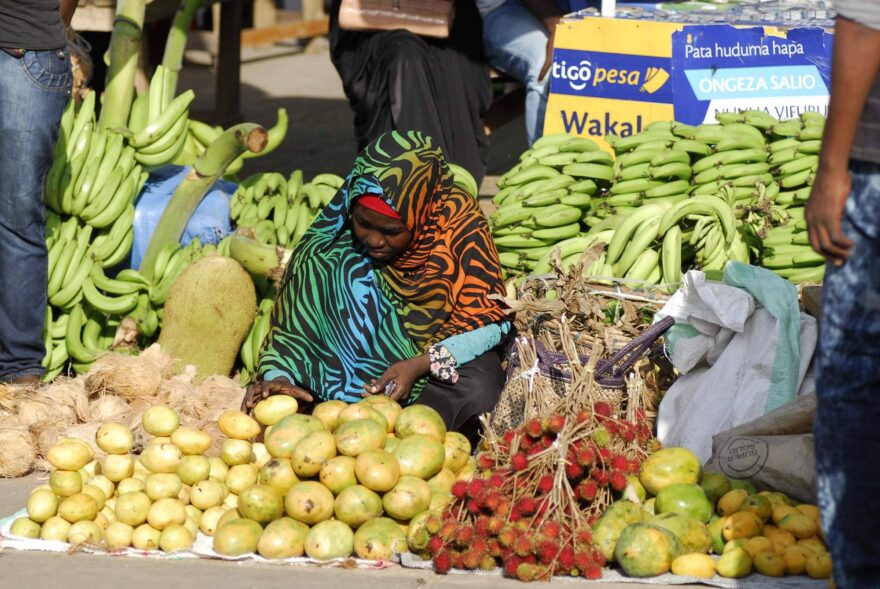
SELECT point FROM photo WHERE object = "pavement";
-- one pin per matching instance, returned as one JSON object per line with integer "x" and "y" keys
{"x": 319, "y": 139}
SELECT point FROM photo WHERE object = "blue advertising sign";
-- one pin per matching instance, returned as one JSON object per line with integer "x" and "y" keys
{"x": 720, "y": 68}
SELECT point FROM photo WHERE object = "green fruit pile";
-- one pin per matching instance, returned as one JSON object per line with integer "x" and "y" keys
{"x": 672, "y": 198}
{"x": 279, "y": 210}
{"x": 349, "y": 479}
{"x": 689, "y": 514}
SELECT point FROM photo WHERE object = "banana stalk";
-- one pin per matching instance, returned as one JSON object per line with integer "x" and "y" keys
{"x": 205, "y": 171}
{"x": 124, "y": 52}
{"x": 259, "y": 259}
{"x": 172, "y": 59}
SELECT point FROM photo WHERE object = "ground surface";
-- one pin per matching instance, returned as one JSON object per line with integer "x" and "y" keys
{"x": 320, "y": 139}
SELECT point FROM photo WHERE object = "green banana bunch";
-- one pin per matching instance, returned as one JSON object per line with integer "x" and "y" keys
{"x": 253, "y": 343}
{"x": 158, "y": 125}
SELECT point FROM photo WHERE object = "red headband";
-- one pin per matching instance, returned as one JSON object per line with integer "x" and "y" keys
{"x": 374, "y": 203}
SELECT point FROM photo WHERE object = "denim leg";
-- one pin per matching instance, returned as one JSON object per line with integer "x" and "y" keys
{"x": 34, "y": 89}
{"x": 847, "y": 438}
{"x": 516, "y": 43}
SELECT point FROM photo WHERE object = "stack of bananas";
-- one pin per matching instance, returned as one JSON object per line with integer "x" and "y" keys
{"x": 200, "y": 135}
{"x": 158, "y": 123}
{"x": 671, "y": 198}
{"x": 279, "y": 210}
{"x": 543, "y": 198}
{"x": 250, "y": 349}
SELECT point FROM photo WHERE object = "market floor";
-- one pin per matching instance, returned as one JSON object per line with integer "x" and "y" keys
{"x": 38, "y": 570}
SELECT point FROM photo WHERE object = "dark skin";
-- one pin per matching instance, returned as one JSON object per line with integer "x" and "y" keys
{"x": 855, "y": 67}
{"x": 383, "y": 238}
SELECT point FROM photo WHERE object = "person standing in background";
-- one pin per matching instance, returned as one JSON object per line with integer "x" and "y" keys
{"x": 843, "y": 217}
{"x": 35, "y": 83}
{"x": 518, "y": 37}
{"x": 397, "y": 80}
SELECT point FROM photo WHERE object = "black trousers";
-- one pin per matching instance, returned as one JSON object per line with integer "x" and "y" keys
{"x": 479, "y": 386}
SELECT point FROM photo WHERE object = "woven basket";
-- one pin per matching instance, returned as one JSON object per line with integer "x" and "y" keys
{"x": 557, "y": 337}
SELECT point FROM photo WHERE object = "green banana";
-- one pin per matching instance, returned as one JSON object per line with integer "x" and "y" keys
{"x": 121, "y": 200}
{"x": 693, "y": 147}
{"x": 627, "y": 228}
{"x": 521, "y": 242}
{"x": 707, "y": 205}
{"x": 671, "y": 256}
{"x": 671, "y": 156}
{"x": 557, "y": 215}
{"x": 122, "y": 250}
{"x": 73, "y": 337}
{"x": 679, "y": 170}
{"x": 594, "y": 157}
{"x": 636, "y": 172}
{"x": 807, "y": 162}
{"x": 744, "y": 130}
{"x": 592, "y": 171}
{"x": 557, "y": 159}
{"x": 509, "y": 215}
{"x": 672, "y": 188}
{"x": 630, "y": 186}
{"x": 110, "y": 285}
{"x": 118, "y": 305}
{"x": 577, "y": 199}
{"x": 578, "y": 144}
{"x": 635, "y": 158}
{"x": 71, "y": 293}
{"x": 536, "y": 172}
{"x": 643, "y": 237}
{"x": 797, "y": 180}
{"x": 558, "y": 233}
{"x": 164, "y": 157}
{"x": 544, "y": 199}
{"x": 644, "y": 266}
{"x": 162, "y": 123}
{"x": 631, "y": 199}
{"x": 171, "y": 137}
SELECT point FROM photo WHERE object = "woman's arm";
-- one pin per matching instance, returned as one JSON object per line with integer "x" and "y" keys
{"x": 460, "y": 349}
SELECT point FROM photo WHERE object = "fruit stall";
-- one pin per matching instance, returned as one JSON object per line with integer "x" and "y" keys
{"x": 137, "y": 426}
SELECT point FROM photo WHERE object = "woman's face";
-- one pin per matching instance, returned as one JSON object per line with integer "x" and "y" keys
{"x": 383, "y": 237}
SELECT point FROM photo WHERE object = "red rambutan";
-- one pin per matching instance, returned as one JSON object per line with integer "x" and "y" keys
{"x": 519, "y": 462}
{"x": 628, "y": 433}
{"x": 435, "y": 545}
{"x": 492, "y": 500}
{"x": 547, "y": 551}
{"x": 583, "y": 560}
{"x": 605, "y": 454}
{"x": 545, "y": 483}
{"x": 460, "y": 489}
{"x": 566, "y": 558}
{"x": 463, "y": 536}
{"x": 476, "y": 487}
{"x": 507, "y": 536}
{"x": 555, "y": 423}
{"x": 503, "y": 509}
{"x": 494, "y": 525}
{"x": 481, "y": 526}
{"x": 617, "y": 481}
{"x": 527, "y": 506}
{"x": 511, "y": 563}
{"x": 600, "y": 475}
{"x": 447, "y": 530}
{"x": 612, "y": 427}
{"x": 496, "y": 481}
{"x": 488, "y": 563}
{"x": 584, "y": 536}
{"x": 584, "y": 416}
{"x": 470, "y": 560}
{"x": 485, "y": 461}
{"x": 442, "y": 563}
{"x": 618, "y": 462}
{"x": 586, "y": 457}
{"x": 474, "y": 505}
{"x": 533, "y": 428}
{"x": 547, "y": 440}
{"x": 494, "y": 547}
{"x": 480, "y": 545}
{"x": 551, "y": 530}
{"x": 632, "y": 466}
{"x": 593, "y": 572}
{"x": 508, "y": 437}
{"x": 522, "y": 546}
{"x": 573, "y": 470}
{"x": 587, "y": 490}
{"x": 603, "y": 408}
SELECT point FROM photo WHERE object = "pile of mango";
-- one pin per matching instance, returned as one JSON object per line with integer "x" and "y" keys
{"x": 675, "y": 517}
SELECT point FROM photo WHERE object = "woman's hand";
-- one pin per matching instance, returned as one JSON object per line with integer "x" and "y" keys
{"x": 258, "y": 391}
{"x": 403, "y": 375}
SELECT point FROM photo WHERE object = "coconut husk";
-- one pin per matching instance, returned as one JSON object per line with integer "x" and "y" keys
{"x": 86, "y": 432}
{"x": 179, "y": 392}
{"x": 17, "y": 451}
{"x": 70, "y": 392}
{"x": 33, "y": 411}
{"x": 219, "y": 394}
{"x": 128, "y": 377}
{"x": 107, "y": 409}
{"x": 7, "y": 398}
{"x": 164, "y": 362}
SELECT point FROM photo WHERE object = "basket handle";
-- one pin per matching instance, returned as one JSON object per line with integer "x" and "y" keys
{"x": 634, "y": 350}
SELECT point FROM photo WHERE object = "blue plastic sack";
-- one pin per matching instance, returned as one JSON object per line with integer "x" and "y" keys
{"x": 210, "y": 222}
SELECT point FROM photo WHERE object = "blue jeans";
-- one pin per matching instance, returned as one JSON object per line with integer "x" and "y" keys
{"x": 847, "y": 428}
{"x": 34, "y": 89}
{"x": 516, "y": 44}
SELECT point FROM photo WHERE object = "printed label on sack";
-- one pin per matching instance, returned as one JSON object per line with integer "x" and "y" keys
{"x": 721, "y": 68}
{"x": 743, "y": 457}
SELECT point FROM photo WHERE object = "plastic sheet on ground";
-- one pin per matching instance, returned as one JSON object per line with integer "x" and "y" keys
{"x": 202, "y": 548}
{"x": 753, "y": 581}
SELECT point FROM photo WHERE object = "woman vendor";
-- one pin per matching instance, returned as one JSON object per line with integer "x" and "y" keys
{"x": 389, "y": 292}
